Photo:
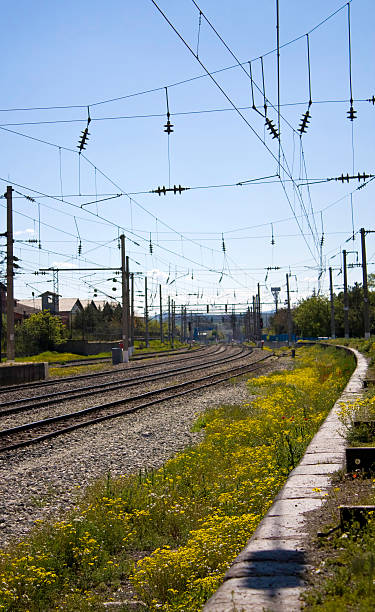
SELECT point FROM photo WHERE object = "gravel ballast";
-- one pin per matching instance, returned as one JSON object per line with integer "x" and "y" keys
{"x": 45, "y": 480}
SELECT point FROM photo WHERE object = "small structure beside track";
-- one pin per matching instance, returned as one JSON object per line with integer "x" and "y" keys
{"x": 17, "y": 373}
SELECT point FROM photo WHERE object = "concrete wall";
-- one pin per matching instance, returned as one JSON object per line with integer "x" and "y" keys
{"x": 17, "y": 373}
{"x": 83, "y": 347}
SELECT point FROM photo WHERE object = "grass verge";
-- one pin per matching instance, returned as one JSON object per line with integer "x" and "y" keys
{"x": 343, "y": 560}
{"x": 186, "y": 522}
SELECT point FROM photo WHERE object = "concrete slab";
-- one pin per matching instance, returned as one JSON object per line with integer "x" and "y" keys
{"x": 293, "y": 507}
{"x": 254, "y": 594}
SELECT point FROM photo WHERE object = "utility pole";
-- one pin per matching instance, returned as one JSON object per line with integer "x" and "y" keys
{"x": 254, "y": 320}
{"x": 346, "y": 301}
{"x": 289, "y": 313}
{"x": 125, "y": 308}
{"x": 128, "y": 301}
{"x": 258, "y": 314}
{"x": 10, "y": 277}
{"x": 146, "y": 316}
{"x": 132, "y": 310}
{"x": 161, "y": 316}
{"x": 333, "y": 331}
{"x": 366, "y": 313}
{"x": 169, "y": 319}
{"x": 173, "y": 321}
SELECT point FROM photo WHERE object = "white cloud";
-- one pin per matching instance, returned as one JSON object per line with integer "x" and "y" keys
{"x": 157, "y": 274}
{"x": 64, "y": 264}
{"x": 25, "y": 231}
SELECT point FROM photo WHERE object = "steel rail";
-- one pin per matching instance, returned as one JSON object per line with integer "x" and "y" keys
{"x": 231, "y": 373}
{"x": 47, "y": 383}
{"x": 88, "y": 361}
{"x": 69, "y": 394}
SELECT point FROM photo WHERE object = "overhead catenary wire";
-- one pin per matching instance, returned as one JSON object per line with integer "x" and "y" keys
{"x": 177, "y": 83}
{"x": 231, "y": 102}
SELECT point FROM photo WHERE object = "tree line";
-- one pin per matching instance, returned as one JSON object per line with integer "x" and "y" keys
{"x": 312, "y": 316}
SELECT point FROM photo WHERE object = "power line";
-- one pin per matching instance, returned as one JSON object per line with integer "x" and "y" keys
{"x": 177, "y": 83}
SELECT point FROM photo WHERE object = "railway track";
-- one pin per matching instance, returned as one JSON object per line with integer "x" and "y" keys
{"x": 92, "y": 360}
{"x": 199, "y": 353}
{"x": 38, "y": 431}
{"x": 28, "y": 403}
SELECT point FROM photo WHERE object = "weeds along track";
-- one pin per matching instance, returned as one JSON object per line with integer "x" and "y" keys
{"x": 130, "y": 367}
{"x": 44, "y": 429}
{"x": 51, "y": 397}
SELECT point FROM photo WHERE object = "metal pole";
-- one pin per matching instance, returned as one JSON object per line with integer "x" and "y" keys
{"x": 128, "y": 317}
{"x": 169, "y": 318}
{"x": 289, "y": 313}
{"x": 173, "y": 321}
{"x": 1, "y": 322}
{"x": 161, "y": 316}
{"x": 132, "y": 310}
{"x": 10, "y": 277}
{"x": 258, "y": 314}
{"x": 366, "y": 313}
{"x": 124, "y": 317}
{"x": 346, "y": 300}
{"x": 333, "y": 331}
{"x": 146, "y": 316}
{"x": 254, "y": 320}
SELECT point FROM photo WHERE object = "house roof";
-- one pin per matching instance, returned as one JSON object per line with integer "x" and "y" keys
{"x": 65, "y": 304}
{"x": 101, "y": 303}
{"x": 35, "y": 303}
{"x": 21, "y": 308}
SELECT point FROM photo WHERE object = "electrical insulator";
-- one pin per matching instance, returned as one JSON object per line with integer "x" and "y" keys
{"x": 352, "y": 114}
{"x": 151, "y": 247}
{"x": 160, "y": 190}
{"x": 272, "y": 128}
{"x": 168, "y": 126}
{"x": 80, "y": 248}
{"x": 83, "y": 140}
{"x": 222, "y": 243}
{"x": 322, "y": 240}
{"x": 226, "y": 307}
{"x": 304, "y": 122}
{"x": 208, "y": 308}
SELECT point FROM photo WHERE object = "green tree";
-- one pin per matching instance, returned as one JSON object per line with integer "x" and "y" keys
{"x": 312, "y": 317}
{"x": 40, "y": 332}
{"x": 278, "y": 323}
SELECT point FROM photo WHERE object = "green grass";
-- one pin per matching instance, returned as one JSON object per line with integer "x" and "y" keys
{"x": 51, "y": 356}
{"x": 349, "y": 571}
{"x": 367, "y": 347}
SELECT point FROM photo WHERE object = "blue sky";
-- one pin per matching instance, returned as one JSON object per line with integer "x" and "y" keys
{"x": 83, "y": 54}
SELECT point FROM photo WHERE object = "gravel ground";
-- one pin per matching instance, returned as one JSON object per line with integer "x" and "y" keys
{"x": 107, "y": 395}
{"x": 46, "y": 479}
{"x": 115, "y": 374}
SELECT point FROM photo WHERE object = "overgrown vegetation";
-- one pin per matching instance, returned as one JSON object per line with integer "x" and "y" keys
{"x": 42, "y": 331}
{"x": 186, "y": 521}
{"x": 312, "y": 316}
{"x": 344, "y": 574}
